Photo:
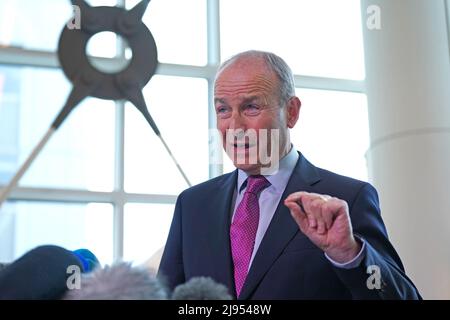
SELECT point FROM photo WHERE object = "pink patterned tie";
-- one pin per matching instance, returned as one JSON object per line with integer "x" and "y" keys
{"x": 243, "y": 229}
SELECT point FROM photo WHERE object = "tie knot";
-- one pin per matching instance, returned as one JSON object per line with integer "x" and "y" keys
{"x": 255, "y": 184}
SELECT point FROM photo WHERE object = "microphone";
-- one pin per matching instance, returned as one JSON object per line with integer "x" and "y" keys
{"x": 118, "y": 282}
{"x": 201, "y": 288}
{"x": 39, "y": 274}
{"x": 87, "y": 258}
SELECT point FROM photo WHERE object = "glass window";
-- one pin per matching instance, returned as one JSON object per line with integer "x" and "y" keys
{"x": 333, "y": 131}
{"x": 98, "y": 3}
{"x": 102, "y": 44}
{"x": 179, "y": 29}
{"x": 146, "y": 227}
{"x": 80, "y": 154}
{"x": 179, "y": 107}
{"x": 25, "y": 225}
{"x": 228, "y": 165}
{"x": 319, "y": 38}
{"x": 35, "y": 24}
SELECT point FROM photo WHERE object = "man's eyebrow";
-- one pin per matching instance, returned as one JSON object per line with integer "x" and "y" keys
{"x": 251, "y": 99}
{"x": 244, "y": 99}
{"x": 219, "y": 100}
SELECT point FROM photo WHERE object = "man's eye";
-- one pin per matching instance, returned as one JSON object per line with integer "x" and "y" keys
{"x": 222, "y": 110}
{"x": 252, "y": 109}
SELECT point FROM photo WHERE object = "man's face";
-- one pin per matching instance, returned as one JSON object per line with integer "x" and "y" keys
{"x": 247, "y": 96}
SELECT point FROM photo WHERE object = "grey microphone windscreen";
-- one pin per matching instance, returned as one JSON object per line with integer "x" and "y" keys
{"x": 201, "y": 288}
{"x": 118, "y": 282}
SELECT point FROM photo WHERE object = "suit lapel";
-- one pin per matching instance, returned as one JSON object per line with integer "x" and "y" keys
{"x": 220, "y": 209}
{"x": 282, "y": 228}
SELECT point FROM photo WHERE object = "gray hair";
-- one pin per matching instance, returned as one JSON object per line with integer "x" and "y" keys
{"x": 275, "y": 63}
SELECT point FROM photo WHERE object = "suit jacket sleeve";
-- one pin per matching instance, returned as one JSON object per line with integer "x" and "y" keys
{"x": 379, "y": 255}
{"x": 171, "y": 269}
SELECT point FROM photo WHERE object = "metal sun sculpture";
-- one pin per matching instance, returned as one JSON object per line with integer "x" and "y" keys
{"x": 89, "y": 81}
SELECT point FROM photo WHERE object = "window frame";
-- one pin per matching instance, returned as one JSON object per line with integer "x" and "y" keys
{"x": 118, "y": 197}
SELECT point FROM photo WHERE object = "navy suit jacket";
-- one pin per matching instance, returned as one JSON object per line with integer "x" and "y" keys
{"x": 287, "y": 264}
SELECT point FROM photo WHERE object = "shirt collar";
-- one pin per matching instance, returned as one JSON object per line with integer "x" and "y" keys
{"x": 278, "y": 180}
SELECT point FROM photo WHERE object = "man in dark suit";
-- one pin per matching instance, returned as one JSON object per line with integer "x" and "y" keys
{"x": 278, "y": 227}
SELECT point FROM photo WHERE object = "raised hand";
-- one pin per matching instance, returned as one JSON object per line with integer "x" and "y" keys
{"x": 326, "y": 222}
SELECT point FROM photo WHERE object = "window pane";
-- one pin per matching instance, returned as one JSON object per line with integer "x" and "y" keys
{"x": 146, "y": 227}
{"x": 102, "y": 44}
{"x": 35, "y": 24}
{"x": 179, "y": 29}
{"x": 180, "y": 109}
{"x": 320, "y": 37}
{"x": 228, "y": 165}
{"x": 25, "y": 225}
{"x": 98, "y": 3}
{"x": 80, "y": 154}
{"x": 333, "y": 131}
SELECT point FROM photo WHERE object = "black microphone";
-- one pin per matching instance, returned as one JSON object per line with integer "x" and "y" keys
{"x": 118, "y": 282}
{"x": 41, "y": 273}
{"x": 201, "y": 288}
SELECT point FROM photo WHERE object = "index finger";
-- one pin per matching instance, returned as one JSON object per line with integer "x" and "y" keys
{"x": 296, "y": 196}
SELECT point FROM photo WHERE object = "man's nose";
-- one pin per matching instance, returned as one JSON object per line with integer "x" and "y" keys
{"x": 236, "y": 122}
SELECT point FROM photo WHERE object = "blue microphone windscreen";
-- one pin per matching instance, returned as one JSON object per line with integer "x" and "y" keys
{"x": 87, "y": 258}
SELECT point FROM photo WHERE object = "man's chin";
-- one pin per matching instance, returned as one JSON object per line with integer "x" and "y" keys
{"x": 251, "y": 169}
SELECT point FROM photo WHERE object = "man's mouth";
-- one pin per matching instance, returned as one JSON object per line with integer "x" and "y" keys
{"x": 243, "y": 145}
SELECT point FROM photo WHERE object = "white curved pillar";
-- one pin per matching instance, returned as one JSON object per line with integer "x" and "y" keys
{"x": 408, "y": 90}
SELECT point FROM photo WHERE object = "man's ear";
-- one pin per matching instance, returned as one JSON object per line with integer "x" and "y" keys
{"x": 293, "y": 111}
